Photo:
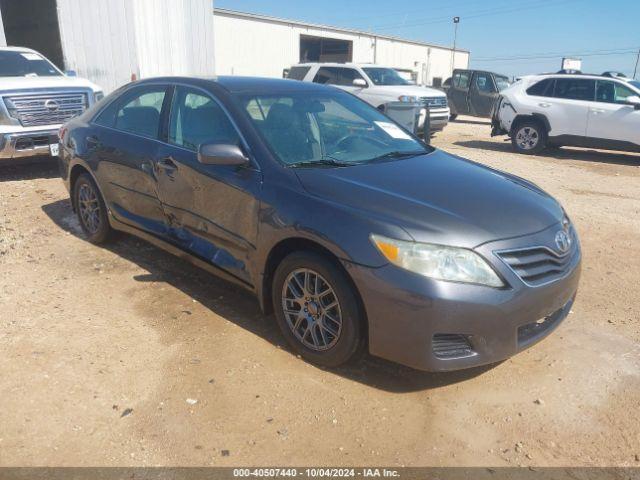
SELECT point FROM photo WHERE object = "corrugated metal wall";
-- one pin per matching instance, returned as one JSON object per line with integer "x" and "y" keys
{"x": 254, "y": 45}
{"x": 109, "y": 40}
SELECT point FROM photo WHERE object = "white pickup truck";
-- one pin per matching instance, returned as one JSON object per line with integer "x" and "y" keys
{"x": 36, "y": 98}
{"x": 376, "y": 85}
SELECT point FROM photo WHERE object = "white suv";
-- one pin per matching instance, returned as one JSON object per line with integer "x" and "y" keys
{"x": 376, "y": 85}
{"x": 574, "y": 110}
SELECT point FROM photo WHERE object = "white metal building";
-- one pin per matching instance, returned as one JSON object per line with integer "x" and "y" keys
{"x": 108, "y": 41}
{"x": 249, "y": 44}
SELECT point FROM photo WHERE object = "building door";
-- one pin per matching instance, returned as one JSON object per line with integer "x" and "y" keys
{"x": 33, "y": 24}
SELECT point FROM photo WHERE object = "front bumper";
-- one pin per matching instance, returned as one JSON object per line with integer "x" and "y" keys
{"x": 439, "y": 118}
{"x": 27, "y": 144}
{"x": 411, "y": 318}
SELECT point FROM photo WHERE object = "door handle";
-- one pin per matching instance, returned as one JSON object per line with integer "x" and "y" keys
{"x": 167, "y": 164}
{"x": 544, "y": 105}
{"x": 597, "y": 110}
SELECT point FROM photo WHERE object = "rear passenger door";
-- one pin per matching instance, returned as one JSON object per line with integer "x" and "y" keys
{"x": 124, "y": 142}
{"x": 568, "y": 109}
{"x": 211, "y": 210}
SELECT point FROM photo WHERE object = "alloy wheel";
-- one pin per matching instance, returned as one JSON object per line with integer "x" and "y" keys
{"x": 527, "y": 138}
{"x": 89, "y": 208}
{"x": 311, "y": 309}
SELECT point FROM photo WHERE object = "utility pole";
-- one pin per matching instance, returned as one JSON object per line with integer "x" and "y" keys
{"x": 456, "y": 21}
{"x": 636, "y": 67}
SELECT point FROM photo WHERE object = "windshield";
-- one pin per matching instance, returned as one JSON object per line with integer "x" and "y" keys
{"x": 24, "y": 64}
{"x": 502, "y": 82}
{"x": 385, "y": 76}
{"x": 635, "y": 83}
{"x": 327, "y": 128}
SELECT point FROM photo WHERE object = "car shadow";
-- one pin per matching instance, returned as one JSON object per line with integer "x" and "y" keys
{"x": 31, "y": 169}
{"x": 563, "y": 153}
{"x": 241, "y": 308}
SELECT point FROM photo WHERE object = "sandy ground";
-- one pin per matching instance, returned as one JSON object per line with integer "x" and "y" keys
{"x": 127, "y": 356}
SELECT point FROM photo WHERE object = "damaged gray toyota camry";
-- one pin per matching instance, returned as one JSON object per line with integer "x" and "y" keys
{"x": 355, "y": 233}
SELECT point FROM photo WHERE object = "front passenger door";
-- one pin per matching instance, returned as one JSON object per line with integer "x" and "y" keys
{"x": 211, "y": 210}
{"x": 483, "y": 94}
{"x": 611, "y": 117}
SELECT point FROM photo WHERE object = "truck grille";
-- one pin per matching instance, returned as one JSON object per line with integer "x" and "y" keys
{"x": 540, "y": 265}
{"x": 435, "y": 102}
{"x": 45, "y": 109}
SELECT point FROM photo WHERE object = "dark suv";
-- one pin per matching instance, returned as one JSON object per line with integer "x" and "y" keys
{"x": 353, "y": 231}
{"x": 474, "y": 92}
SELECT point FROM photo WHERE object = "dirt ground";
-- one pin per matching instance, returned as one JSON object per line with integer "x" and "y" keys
{"x": 127, "y": 356}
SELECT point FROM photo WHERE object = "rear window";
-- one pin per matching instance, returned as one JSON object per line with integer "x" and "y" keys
{"x": 298, "y": 73}
{"x": 544, "y": 88}
{"x": 575, "y": 89}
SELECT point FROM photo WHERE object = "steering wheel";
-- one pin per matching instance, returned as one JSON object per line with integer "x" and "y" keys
{"x": 353, "y": 137}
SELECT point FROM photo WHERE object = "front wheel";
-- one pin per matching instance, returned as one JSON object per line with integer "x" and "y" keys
{"x": 529, "y": 138}
{"x": 317, "y": 309}
{"x": 453, "y": 116}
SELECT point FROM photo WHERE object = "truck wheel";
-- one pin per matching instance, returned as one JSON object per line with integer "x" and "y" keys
{"x": 453, "y": 116}
{"x": 529, "y": 137}
{"x": 317, "y": 309}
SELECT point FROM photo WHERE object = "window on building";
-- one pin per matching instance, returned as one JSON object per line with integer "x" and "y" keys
{"x": 320, "y": 49}
{"x": 337, "y": 76}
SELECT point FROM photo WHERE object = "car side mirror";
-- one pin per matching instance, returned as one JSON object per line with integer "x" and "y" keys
{"x": 71, "y": 73}
{"x": 221, "y": 154}
{"x": 359, "y": 82}
{"x": 634, "y": 100}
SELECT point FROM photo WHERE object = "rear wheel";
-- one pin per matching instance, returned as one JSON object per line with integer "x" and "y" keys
{"x": 529, "y": 137}
{"x": 317, "y": 309}
{"x": 91, "y": 210}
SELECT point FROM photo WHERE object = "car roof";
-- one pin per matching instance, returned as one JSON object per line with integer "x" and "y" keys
{"x": 238, "y": 84}
{"x": 338, "y": 64}
{"x": 588, "y": 76}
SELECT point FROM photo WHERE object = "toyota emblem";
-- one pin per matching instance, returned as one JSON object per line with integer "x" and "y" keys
{"x": 563, "y": 241}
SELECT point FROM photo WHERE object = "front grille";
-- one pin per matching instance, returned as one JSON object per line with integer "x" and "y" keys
{"x": 28, "y": 143}
{"x": 447, "y": 346}
{"x": 540, "y": 265}
{"x": 45, "y": 109}
{"x": 435, "y": 102}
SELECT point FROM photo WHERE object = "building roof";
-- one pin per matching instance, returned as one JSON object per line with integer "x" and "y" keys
{"x": 284, "y": 21}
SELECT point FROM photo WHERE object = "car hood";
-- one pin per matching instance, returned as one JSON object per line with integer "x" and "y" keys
{"x": 412, "y": 90}
{"x": 438, "y": 198}
{"x": 28, "y": 83}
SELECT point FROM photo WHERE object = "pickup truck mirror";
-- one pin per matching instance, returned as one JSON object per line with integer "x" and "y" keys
{"x": 70, "y": 73}
{"x": 221, "y": 154}
{"x": 634, "y": 100}
{"x": 359, "y": 82}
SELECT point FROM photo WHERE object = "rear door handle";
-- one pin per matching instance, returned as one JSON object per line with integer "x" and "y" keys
{"x": 597, "y": 110}
{"x": 544, "y": 105}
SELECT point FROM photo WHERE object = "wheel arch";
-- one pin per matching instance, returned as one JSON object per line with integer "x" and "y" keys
{"x": 77, "y": 170}
{"x": 299, "y": 244}
{"x": 536, "y": 117}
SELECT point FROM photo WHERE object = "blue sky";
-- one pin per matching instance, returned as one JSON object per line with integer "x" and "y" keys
{"x": 499, "y": 33}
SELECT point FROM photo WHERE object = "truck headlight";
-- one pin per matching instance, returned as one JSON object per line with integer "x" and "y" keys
{"x": 408, "y": 99}
{"x": 439, "y": 262}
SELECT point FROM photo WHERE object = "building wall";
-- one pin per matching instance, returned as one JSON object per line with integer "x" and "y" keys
{"x": 108, "y": 41}
{"x": 264, "y": 47}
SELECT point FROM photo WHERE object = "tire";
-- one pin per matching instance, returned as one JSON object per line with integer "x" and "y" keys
{"x": 529, "y": 137}
{"x": 91, "y": 210}
{"x": 324, "y": 336}
{"x": 453, "y": 116}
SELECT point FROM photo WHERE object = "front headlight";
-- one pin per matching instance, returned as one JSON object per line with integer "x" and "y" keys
{"x": 408, "y": 99}
{"x": 440, "y": 262}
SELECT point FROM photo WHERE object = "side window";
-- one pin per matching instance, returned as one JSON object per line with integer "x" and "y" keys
{"x": 623, "y": 93}
{"x": 605, "y": 92}
{"x": 463, "y": 80}
{"x": 575, "y": 89}
{"x": 483, "y": 83}
{"x": 543, "y": 88}
{"x": 456, "y": 80}
{"x": 197, "y": 119}
{"x": 337, "y": 76}
{"x": 298, "y": 73}
{"x": 140, "y": 113}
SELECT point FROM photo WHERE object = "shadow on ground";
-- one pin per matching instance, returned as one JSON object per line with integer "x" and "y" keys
{"x": 30, "y": 169}
{"x": 564, "y": 153}
{"x": 241, "y": 308}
